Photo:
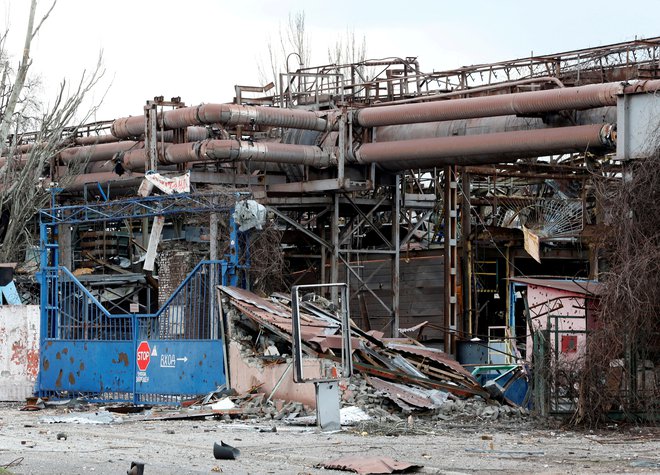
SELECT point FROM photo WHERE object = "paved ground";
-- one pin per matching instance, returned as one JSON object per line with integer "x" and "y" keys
{"x": 186, "y": 447}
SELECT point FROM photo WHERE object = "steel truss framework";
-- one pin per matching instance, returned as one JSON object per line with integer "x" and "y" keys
{"x": 345, "y": 202}
{"x": 74, "y": 321}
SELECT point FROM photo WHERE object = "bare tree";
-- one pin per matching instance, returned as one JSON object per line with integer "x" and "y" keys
{"x": 348, "y": 49}
{"x": 292, "y": 52}
{"x": 24, "y": 170}
{"x": 292, "y": 45}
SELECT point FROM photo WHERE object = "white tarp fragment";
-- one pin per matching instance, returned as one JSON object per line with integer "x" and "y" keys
{"x": 532, "y": 244}
{"x": 167, "y": 184}
{"x": 249, "y": 214}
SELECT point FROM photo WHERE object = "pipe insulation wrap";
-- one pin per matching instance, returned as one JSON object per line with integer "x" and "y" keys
{"x": 499, "y": 147}
{"x": 520, "y": 103}
{"x": 226, "y": 114}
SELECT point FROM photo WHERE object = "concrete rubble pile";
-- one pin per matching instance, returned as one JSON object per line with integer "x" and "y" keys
{"x": 392, "y": 378}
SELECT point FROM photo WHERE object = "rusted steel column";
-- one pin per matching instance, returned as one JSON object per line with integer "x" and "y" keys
{"x": 520, "y": 103}
{"x": 396, "y": 261}
{"x": 451, "y": 323}
{"x": 488, "y": 148}
{"x": 226, "y": 114}
{"x": 334, "y": 261}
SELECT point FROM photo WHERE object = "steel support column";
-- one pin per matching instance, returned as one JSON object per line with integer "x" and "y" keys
{"x": 396, "y": 239}
{"x": 334, "y": 263}
{"x": 150, "y": 133}
{"x": 451, "y": 257}
{"x": 466, "y": 251}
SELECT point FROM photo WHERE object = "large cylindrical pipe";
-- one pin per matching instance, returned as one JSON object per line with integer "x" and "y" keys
{"x": 488, "y": 148}
{"x": 490, "y": 125}
{"x": 520, "y": 103}
{"x": 97, "y": 153}
{"x": 228, "y": 150}
{"x": 273, "y": 152}
{"x": 194, "y": 134}
{"x": 78, "y": 182}
{"x": 226, "y": 114}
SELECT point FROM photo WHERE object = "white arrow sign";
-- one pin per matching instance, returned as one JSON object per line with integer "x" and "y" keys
{"x": 184, "y": 359}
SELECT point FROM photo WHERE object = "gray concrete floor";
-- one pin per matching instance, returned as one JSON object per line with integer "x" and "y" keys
{"x": 186, "y": 447}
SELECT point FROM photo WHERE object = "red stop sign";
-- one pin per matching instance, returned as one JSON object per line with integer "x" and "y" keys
{"x": 143, "y": 355}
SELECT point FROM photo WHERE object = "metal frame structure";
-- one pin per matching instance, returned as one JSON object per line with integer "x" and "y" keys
{"x": 327, "y": 388}
{"x": 349, "y": 158}
{"x": 75, "y": 324}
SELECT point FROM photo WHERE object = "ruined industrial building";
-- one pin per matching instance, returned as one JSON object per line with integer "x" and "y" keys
{"x": 474, "y": 243}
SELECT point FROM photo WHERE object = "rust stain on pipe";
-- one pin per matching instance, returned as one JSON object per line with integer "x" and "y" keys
{"x": 228, "y": 150}
{"x": 520, "y": 103}
{"x": 97, "y": 153}
{"x": 273, "y": 152}
{"x": 488, "y": 148}
{"x": 489, "y": 125}
{"x": 226, "y": 114}
{"x": 79, "y": 181}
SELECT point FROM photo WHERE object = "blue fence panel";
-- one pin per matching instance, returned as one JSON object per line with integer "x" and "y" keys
{"x": 103, "y": 368}
{"x": 181, "y": 367}
{"x": 154, "y": 358}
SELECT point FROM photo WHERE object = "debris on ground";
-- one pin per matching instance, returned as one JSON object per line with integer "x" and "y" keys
{"x": 224, "y": 451}
{"x": 392, "y": 377}
{"x": 137, "y": 468}
{"x": 100, "y": 417}
{"x": 370, "y": 465}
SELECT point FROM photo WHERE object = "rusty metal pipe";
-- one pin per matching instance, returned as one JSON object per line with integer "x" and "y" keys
{"x": 489, "y": 125}
{"x": 78, "y": 182}
{"x": 194, "y": 134}
{"x": 97, "y": 153}
{"x": 272, "y": 152}
{"x": 520, "y": 103}
{"x": 229, "y": 150}
{"x": 488, "y": 148}
{"x": 226, "y": 114}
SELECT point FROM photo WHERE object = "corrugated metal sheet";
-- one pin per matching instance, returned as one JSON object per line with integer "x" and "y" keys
{"x": 421, "y": 274}
{"x": 400, "y": 392}
{"x": 433, "y": 354}
{"x": 279, "y": 316}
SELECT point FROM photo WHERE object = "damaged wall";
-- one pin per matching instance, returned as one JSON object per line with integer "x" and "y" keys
{"x": 247, "y": 373}
{"x": 19, "y": 351}
{"x": 174, "y": 265}
{"x": 559, "y": 310}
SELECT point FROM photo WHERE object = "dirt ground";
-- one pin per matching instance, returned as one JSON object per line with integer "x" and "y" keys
{"x": 186, "y": 447}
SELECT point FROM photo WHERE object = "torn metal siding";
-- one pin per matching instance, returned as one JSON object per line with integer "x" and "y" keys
{"x": 424, "y": 368}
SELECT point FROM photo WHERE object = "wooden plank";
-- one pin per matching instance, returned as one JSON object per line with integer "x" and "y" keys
{"x": 154, "y": 239}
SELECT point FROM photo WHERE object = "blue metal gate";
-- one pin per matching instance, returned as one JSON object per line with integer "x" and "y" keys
{"x": 132, "y": 357}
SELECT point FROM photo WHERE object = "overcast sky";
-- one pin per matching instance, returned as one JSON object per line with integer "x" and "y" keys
{"x": 198, "y": 49}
